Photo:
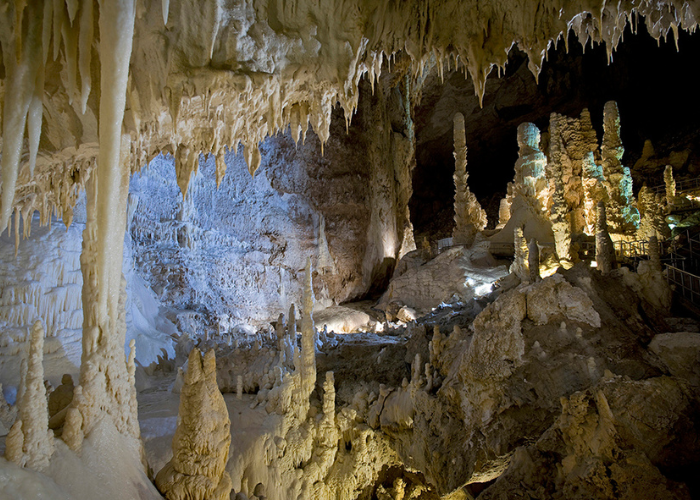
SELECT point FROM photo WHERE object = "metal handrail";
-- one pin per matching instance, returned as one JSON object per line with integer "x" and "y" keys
{"x": 684, "y": 185}
{"x": 687, "y": 284}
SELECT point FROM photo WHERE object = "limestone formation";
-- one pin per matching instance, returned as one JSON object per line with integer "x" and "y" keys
{"x": 202, "y": 438}
{"x": 30, "y": 442}
{"x": 529, "y": 180}
{"x": 469, "y": 216}
{"x": 521, "y": 260}
{"x": 561, "y": 225}
{"x": 533, "y": 260}
{"x": 531, "y": 165}
{"x": 604, "y": 250}
{"x": 73, "y": 434}
{"x": 623, "y": 216}
{"x": 653, "y": 215}
{"x": 524, "y": 403}
{"x": 670, "y": 183}
{"x": 654, "y": 253}
{"x": 594, "y": 191}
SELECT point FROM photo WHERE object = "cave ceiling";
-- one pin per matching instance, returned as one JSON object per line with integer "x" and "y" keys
{"x": 205, "y": 76}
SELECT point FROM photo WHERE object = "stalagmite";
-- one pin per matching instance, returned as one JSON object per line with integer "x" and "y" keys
{"x": 623, "y": 217}
{"x": 594, "y": 191}
{"x": 73, "y": 433}
{"x": 533, "y": 260}
{"x": 530, "y": 180}
{"x": 653, "y": 215}
{"x": 559, "y": 216}
{"x": 469, "y": 216}
{"x": 670, "y": 183}
{"x": 31, "y": 443}
{"x": 504, "y": 211}
{"x": 308, "y": 337}
{"x": 520, "y": 266}
{"x": 654, "y": 254}
{"x": 202, "y": 438}
{"x": 604, "y": 250}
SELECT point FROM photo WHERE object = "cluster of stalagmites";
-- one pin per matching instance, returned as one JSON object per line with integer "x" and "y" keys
{"x": 579, "y": 189}
{"x": 72, "y": 410}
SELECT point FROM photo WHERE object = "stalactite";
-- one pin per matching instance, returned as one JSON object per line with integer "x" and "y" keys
{"x": 22, "y": 58}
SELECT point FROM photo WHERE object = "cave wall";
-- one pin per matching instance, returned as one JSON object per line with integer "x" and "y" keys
{"x": 234, "y": 256}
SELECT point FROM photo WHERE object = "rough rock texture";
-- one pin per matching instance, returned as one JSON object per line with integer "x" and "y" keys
{"x": 30, "y": 443}
{"x": 680, "y": 353}
{"x": 623, "y": 217}
{"x": 457, "y": 272}
{"x": 562, "y": 341}
{"x": 202, "y": 439}
{"x": 652, "y": 210}
{"x": 604, "y": 251}
{"x": 469, "y": 216}
{"x": 234, "y": 254}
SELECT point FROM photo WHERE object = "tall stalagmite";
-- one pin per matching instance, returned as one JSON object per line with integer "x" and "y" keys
{"x": 520, "y": 266}
{"x": 469, "y": 216}
{"x": 202, "y": 438}
{"x": 604, "y": 250}
{"x": 308, "y": 336}
{"x": 623, "y": 217}
{"x": 670, "y": 184}
{"x": 30, "y": 442}
{"x": 559, "y": 214}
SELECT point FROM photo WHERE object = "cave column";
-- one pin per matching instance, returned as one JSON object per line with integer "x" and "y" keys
{"x": 105, "y": 376}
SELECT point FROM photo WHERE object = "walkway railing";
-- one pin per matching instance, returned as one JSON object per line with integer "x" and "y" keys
{"x": 634, "y": 249}
{"x": 681, "y": 186}
{"x": 687, "y": 285}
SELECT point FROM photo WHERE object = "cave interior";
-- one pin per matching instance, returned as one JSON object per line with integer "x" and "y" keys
{"x": 299, "y": 250}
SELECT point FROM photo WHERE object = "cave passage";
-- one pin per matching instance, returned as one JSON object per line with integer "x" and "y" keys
{"x": 649, "y": 82}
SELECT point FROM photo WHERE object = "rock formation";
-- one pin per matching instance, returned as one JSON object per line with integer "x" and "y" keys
{"x": 469, "y": 216}
{"x": 533, "y": 260}
{"x": 623, "y": 217}
{"x": 30, "y": 443}
{"x": 540, "y": 392}
{"x": 604, "y": 250}
{"x": 652, "y": 215}
{"x": 521, "y": 260}
{"x": 202, "y": 438}
{"x": 670, "y": 183}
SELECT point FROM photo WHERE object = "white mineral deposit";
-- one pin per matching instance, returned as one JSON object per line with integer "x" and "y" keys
{"x": 210, "y": 286}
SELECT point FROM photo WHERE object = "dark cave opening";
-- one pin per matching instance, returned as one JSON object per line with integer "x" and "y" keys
{"x": 649, "y": 81}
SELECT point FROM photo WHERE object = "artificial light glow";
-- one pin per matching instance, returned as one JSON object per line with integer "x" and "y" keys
{"x": 484, "y": 289}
